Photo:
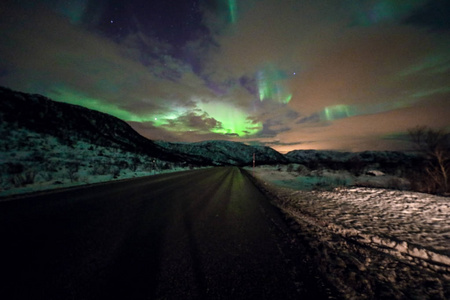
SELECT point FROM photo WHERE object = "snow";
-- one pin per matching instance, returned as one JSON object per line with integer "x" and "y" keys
{"x": 31, "y": 162}
{"x": 396, "y": 243}
{"x": 51, "y": 145}
{"x": 218, "y": 152}
{"x": 375, "y": 173}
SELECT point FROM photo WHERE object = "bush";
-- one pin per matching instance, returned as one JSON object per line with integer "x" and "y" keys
{"x": 51, "y": 166}
{"x": 115, "y": 171}
{"x": 44, "y": 176}
{"x": 330, "y": 182}
{"x": 24, "y": 178}
{"x": 166, "y": 166}
{"x": 100, "y": 169}
{"x": 302, "y": 170}
{"x": 122, "y": 164}
{"x": 435, "y": 146}
{"x": 421, "y": 182}
{"x": 72, "y": 170}
{"x": 135, "y": 162}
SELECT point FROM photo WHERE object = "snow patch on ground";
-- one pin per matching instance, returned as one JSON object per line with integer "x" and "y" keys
{"x": 370, "y": 242}
{"x": 31, "y": 162}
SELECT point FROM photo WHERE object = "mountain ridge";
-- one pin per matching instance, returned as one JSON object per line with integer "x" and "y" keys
{"x": 43, "y": 115}
{"x": 71, "y": 123}
{"x": 220, "y": 152}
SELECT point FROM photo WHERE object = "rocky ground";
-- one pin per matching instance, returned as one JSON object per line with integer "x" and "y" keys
{"x": 372, "y": 243}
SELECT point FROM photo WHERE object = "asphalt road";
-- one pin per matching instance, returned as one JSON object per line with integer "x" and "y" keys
{"x": 205, "y": 234}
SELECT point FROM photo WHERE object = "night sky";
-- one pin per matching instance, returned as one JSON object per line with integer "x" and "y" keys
{"x": 289, "y": 74}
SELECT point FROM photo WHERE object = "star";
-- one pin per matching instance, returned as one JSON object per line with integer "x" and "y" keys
{"x": 230, "y": 70}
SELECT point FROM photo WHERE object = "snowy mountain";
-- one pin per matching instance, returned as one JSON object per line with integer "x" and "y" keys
{"x": 225, "y": 152}
{"x": 47, "y": 144}
{"x": 72, "y": 123}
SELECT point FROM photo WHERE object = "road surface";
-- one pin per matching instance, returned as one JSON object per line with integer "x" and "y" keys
{"x": 205, "y": 234}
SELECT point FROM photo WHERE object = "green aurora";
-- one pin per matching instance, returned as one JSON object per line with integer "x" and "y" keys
{"x": 271, "y": 86}
{"x": 67, "y": 95}
{"x": 341, "y": 111}
{"x": 231, "y": 120}
{"x": 385, "y": 10}
{"x": 232, "y": 9}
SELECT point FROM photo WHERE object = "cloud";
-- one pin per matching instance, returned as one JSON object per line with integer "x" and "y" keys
{"x": 43, "y": 52}
{"x": 367, "y": 132}
{"x": 194, "y": 121}
{"x": 311, "y": 74}
{"x": 375, "y": 70}
{"x": 148, "y": 130}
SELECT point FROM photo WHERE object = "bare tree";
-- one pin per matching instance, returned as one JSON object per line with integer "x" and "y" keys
{"x": 435, "y": 145}
{"x": 72, "y": 169}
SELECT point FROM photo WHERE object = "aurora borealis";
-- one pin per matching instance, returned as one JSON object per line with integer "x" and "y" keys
{"x": 290, "y": 74}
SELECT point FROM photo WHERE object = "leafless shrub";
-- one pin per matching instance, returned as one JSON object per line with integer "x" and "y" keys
{"x": 123, "y": 164}
{"x": 24, "y": 178}
{"x": 100, "y": 169}
{"x": 135, "y": 162}
{"x": 45, "y": 176}
{"x": 72, "y": 170}
{"x": 166, "y": 166}
{"x": 421, "y": 182}
{"x": 115, "y": 170}
{"x": 330, "y": 182}
{"x": 302, "y": 170}
{"x": 50, "y": 166}
{"x": 435, "y": 146}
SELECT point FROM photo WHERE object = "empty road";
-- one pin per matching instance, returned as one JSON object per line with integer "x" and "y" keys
{"x": 205, "y": 234}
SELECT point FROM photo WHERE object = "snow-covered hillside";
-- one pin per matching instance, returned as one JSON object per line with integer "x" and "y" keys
{"x": 225, "y": 152}
{"x": 71, "y": 123}
{"x": 46, "y": 144}
{"x": 31, "y": 161}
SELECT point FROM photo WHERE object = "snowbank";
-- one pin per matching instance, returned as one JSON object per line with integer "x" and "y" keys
{"x": 371, "y": 243}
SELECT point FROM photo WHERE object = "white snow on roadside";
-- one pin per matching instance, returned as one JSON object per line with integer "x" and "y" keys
{"x": 405, "y": 229}
{"x": 405, "y": 223}
{"x": 91, "y": 179}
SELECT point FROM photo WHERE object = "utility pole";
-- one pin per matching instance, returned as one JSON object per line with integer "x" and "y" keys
{"x": 253, "y": 170}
